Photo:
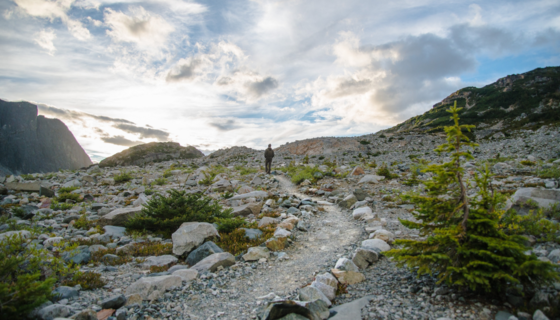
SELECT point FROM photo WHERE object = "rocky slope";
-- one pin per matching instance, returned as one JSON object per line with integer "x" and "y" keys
{"x": 31, "y": 143}
{"x": 151, "y": 152}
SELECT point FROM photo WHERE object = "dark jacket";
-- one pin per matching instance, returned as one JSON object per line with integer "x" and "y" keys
{"x": 269, "y": 154}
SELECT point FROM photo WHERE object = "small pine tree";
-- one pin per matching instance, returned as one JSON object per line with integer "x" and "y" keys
{"x": 464, "y": 244}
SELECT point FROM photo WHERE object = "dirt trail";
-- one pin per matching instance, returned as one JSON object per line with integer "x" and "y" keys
{"x": 314, "y": 251}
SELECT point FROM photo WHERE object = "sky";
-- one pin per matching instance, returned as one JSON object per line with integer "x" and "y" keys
{"x": 216, "y": 74}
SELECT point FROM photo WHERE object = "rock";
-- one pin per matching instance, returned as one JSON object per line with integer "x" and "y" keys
{"x": 346, "y": 265}
{"x": 312, "y": 310}
{"x": 206, "y": 249}
{"x": 148, "y": 152}
{"x": 96, "y": 247}
{"x": 276, "y": 244}
{"x": 282, "y": 233}
{"x": 110, "y": 258}
{"x": 80, "y": 255}
{"x": 119, "y": 217}
{"x": 357, "y": 171}
{"x": 247, "y": 209}
{"x": 64, "y": 292}
{"x": 133, "y": 299}
{"x": 244, "y": 189}
{"x": 120, "y": 314}
{"x": 72, "y": 184}
{"x": 24, "y": 234}
{"x": 328, "y": 279}
{"x": 222, "y": 185}
{"x": 348, "y": 201}
{"x": 53, "y": 311}
{"x": 265, "y": 221}
{"x": 252, "y": 233}
{"x": 114, "y": 231}
{"x": 108, "y": 181}
{"x": 554, "y": 256}
{"x": 503, "y": 315}
{"x": 543, "y": 197}
{"x": 384, "y": 235}
{"x": 34, "y": 186}
{"x": 159, "y": 261}
{"x": 86, "y": 314}
{"x": 538, "y": 315}
{"x": 190, "y": 235}
{"x": 45, "y": 192}
{"x": 256, "y": 253}
{"x": 327, "y": 290}
{"x": 363, "y": 257}
{"x": 97, "y": 206}
{"x": 369, "y": 178}
{"x": 310, "y": 293}
{"x": 360, "y": 212}
{"x": 350, "y": 310}
{"x": 51, "y": 241}
{"x": 252, "y": 194}
{"x": 212, "y": 262}
{"x": 360, "y": 194}
{"x": 113, "y": 302}
{"x": 150, "y": 288}
{"x": 186, "y": 274}
{"x": 348, "y": 277}
{"x": 539, "y": 300}
{"x": 376, "y": 245}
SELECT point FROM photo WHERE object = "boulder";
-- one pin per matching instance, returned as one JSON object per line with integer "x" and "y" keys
{"x": 539, "y": 315}
{"x": 150, "y": 288}
{"x": 328, "y": 279}
{"x": 159, "y": 261}
{"x": 327, "y": 290}
{"x": 360, "y": 194}
{"x": 348, "y": 201}
{"x": 370, "y": 178}
{"x": 296, "y": 310}
{"x": 353, "y": 310}
{"x": 360, "y": 212}
{"x": 346, "y": 265}
{"x": 362, "y": 258}
{"x": 348, "y": 277}
{"x": 244, "y": 190}
{"x": 252, "y": 233}
{"x": 190, "y": 235}
{"x": 53, "y": 311}
{"x": 252, "y": 194}
{"x": 114, "y": 231}
{"x": 282, "y": 233}
{"x": 24, "y": 234}
{"x": 544, "y": 198}
{"x": 64, "y": 292}
{"x": 113, "y": 302}
{"x": 265, "y": 221}
{"x": 186, "y": 274}
{"x": 384, "y": 235}
{"x": 34, "y": 186}
{"x": 357, "y": 171}
{"x": 119, "y": 217}
{"x": 376, "y": 245}
{"x": 212, "y": 262}
{"x": 256, "y": 253}
{"x": 205, "y": 250}
{"x": 247, "y": 209}
{"x": 311, "y": 293}
{"x": 86, "y": 314}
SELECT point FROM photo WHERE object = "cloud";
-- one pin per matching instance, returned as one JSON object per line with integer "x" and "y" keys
{"x": 52, "y": 10}
{"x": 73, "y": 115}
{"x": 259, "y": 88}
{"x": 121, "y": 141}
{"x": 45, "y": 40}
{"x": 148, "y": 31}
{"x": 144, "y": 133}
{"x": 227, "y": 125}
{"x": 186, "y": 69}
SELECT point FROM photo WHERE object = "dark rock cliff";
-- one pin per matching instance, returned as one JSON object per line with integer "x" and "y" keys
{"x": 30, "y": 143}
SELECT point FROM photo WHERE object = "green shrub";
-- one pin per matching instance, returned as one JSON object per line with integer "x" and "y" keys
{"x": 321, "y": 158}
{"x": 464, "y": 244}
{"x": 300, "y": 174}
{"x": 160, "y": 181}
{"x": 243, "y": 170}
{"x": 549, "y": 173}
{"x": 305, "y": 159}
{"x": 87, "y": 280}
{"x": 62, "y": 197}
{"x": 18, "y": 212}
{"x": 227, "y": 225}
{"x": 534, "y": 223}
{"x": 385, "y": 172}
{"x": 236, "y": 242}
{"x": 165, "y": 214}
{"x": 27, "y": 177}
{"x": 364, "y": 142}
{"x": 67, "y": 189}
{"x": 527, "y": 163}
{"x": 22, "y": 286}
{"x": 55, "y": 205}
{"x": 122, "y": 177}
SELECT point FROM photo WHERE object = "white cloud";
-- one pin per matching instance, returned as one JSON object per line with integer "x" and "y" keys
{"x": 147, "y": 30}
{"x": 56, "y": 9}
{"x": 45, "y": 40}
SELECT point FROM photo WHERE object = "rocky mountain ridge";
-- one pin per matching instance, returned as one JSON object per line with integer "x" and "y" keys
{"x": 30, "y": 143}
{"x": 151, "y": 152}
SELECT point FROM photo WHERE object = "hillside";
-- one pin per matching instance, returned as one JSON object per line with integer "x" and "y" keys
{"x": 520, "y": 101}
{"x": 32, "y": 143}
{"x": 151, "y": 152}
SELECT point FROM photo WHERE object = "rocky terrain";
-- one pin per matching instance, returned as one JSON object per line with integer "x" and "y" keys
{"x": 328, "y": 242}
{"x": 30, "y": 143}
{"x": 151, "y": 152}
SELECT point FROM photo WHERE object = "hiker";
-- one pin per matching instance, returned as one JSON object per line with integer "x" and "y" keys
{"x": 268, "y": 155}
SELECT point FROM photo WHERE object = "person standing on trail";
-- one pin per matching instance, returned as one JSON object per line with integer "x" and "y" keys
{"x": 268, "y": 155}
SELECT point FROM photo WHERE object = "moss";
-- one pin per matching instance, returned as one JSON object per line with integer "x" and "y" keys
{"x": 87, "y": 280}
{"x": 236, "y": 242}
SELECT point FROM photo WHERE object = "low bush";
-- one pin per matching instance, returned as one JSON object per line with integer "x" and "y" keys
{"x": 534, "y": 223}
{"x": 55, "y": 205}
{"x": 122, "y": 177}
{"x": 211, "y": 173}
{"x": 236, "y": 242}
{"x": 165, "y": 214}
{"x": 549, "y": 173}
{"x": 87, "y": 280}
{"x": 159, "y": 181}
{"x": 243, "y": 170}
{"x": 228, "y": 225}
{"x": 385, "y": 172}
{"x": 67, "y": 189}
{"x": 62, "y": 197}
{"x": 149, "y": 248}
{"x": 527, "y": 163}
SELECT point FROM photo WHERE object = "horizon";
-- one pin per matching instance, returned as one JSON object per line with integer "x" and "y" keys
{"x": 220, "y": 74}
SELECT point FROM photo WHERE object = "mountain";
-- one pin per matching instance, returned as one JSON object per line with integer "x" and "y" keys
{"x": 31, "y": 143}
{"x": 317, "y": 146}
{"x": 519, "y": 101}
{"x": 151, "y": 152}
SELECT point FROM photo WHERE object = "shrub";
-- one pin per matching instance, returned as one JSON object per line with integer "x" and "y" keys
{"x": 165, "y": 214}
{"x": 527, "y": 163}
{"x": 160, "y": 181}
{"x": 22, "y": 287}
{"x": 385, "y": 172}
{"x": 364, "y": 142}
{"x": 321, "y": 157}
{"x": 62, "y": 197}
{"x": 55, "y": 205}
{"x": 236, "y": 242}
{"x": 87, "y": 280}
{"x": 67, "y": 189}
{"x": 534, "y": 223}
{"x": 27, "y": 177}
{"x": 227, "y": 225}
{"x": 149, "y": 248}
{"x": 549, "y": 173}
{"x": 243, "y": 170}
{"x": 305, "y": 159}
{"x": 122, "y": 177}
{"x": 464, "y": 245}
{"x": 18, "y": 212}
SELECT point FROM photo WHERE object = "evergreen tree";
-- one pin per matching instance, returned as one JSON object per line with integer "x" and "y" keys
{"x": 463, "y": 243}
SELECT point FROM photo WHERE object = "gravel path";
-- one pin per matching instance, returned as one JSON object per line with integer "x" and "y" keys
{"x": 331, "y": 234}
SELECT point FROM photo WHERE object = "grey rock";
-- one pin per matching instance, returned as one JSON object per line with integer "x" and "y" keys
{"x": 119, "y": 217}
{"x": 113, "y": 302}
{"x": 328, "y": 279}
{"x": 21, "y": 233}
{"x": 554, "y": 256}
{"x": 177, "y": 267}
{"x": 87, "y": 314}
{"x": 212, "y": 262}
{"x": 346, "y": 265}
{"x": 351, "y": 310}
{"x": 252, "y": 194}
{"x": 114, "y": 231}
{"x": 539, "y": 315}
{"x": 159, "y": 261}
{"x": 313, "y": 310}
{"x": 348, "y": 201}
{"x": 256, "y": 253}
{"x": 363, "y": 257}
{"x": 360, "y": 194}
{"x": 109, "y": 258}
{"x": 53, "y": 311}
{"x": 376, "y": 245}
{"x": 64, "y": 292}
{"x": 190, "y": 235}
{"x": 79, "y": 255}
{"x": 311, "y": 293}
{"x": 327, "y": 290}
{"x": 539, "y": 300}
{"x": 503, "y": 315}
{"x": 149, "y": 288}
{"x": 96, "y": 247}
{"x": 247, "y": 209}
{"x": 186, "y": 274}
{"x": 252, "y": 233}
{"x": 121, "y": 314}
{"x": 265, "y": 221}
{"x": 543, "y": 197}
{"x": 206, "y": 249}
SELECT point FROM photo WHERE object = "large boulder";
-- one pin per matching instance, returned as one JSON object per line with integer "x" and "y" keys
{"x": 247, "y": 209}
{"x": 256, "y": 253}
{"x": 296, "y": 310}
{"x": 348, "y": 277}
{"x": 159, "y": 261}
{"x": 190, "y": 235}
{"x": 363, "y": 257}
{"x": 361, "y": 212}
{"x": 24, "y": 234}
{"x": 186, "y": 274}
{"x": 150, "y": 288}
{"x": 311, "y": 293}
{"x": 377, "y": 245}
{"x": 543, "y": 198}
{"x": 212, "y": 262}
{"x": 205, "y": 250}
{"x": 119, "y": 217}
{"x": 370, "y": 178}
{"x": 252, "y": 194}
{"x": 384, "y": 235}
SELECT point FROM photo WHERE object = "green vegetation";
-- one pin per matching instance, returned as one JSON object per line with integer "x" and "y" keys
{"x": 364, "y": 142}
{"x": 235, "y": 242}
{"x": 549, "y": 173}
{"x": 165, "y": 214}
{"x": 122, "y": 177}
{"x": 534, "y": 223}
{"x": 385, "y": 172}
{"x": 464, "y": 244}
{"x": 62, "y": 197}
{"x": 159, "y": 181}
{"x": 67, "y": 189}
{"x": 55, "y": 205}
{"x": 527, "y": 163}
{"x": 299, "y": 174}
{"x": 211, "y": 173}
{"x": 27, "y": 177}
{"x": 87, "y": 280}
{"x": 243, "y": 170}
